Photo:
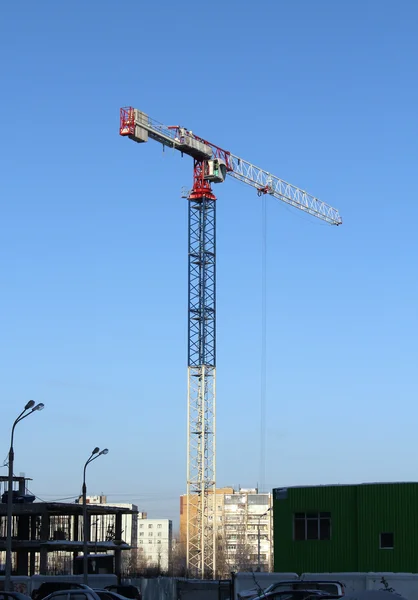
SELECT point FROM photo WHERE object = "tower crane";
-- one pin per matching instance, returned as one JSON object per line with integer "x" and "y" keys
{"x": 211, "y": 165}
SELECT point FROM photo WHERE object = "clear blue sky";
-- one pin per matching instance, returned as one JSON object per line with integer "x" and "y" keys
{"x": 94, "y": 240}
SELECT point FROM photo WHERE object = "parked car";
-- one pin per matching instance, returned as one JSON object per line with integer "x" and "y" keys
{"x": 295, "y": 595}
{"x": 13, "y": 596}
{"x": 49, "y": 587}
{"x": 82, "y": 593}
{"x": 128, "y": 591}
{"x": 335, "y": 588}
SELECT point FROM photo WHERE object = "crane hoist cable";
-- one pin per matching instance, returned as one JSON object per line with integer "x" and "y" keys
{"x": 263, "y": 373}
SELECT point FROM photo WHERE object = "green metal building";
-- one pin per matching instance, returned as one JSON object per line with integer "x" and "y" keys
{"x": 346, "y": 528}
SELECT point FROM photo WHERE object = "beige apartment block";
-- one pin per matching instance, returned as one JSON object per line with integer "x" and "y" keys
{"x": 244, "y": 528}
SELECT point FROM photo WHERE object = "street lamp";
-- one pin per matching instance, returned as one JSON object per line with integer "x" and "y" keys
{"x": 30, "y": 406}
{"x": 259, "y": 540}
{"x": 95, "y": 454}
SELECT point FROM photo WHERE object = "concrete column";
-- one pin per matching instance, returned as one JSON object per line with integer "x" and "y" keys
{"x": 43, "y": 569}
{"x": 33, "y": 538}
{"x": 118, "y": 538}
{"x": 22, "y": 535}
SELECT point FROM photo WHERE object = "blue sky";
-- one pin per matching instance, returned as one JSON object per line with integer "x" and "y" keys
{"x": 94, "y": 241}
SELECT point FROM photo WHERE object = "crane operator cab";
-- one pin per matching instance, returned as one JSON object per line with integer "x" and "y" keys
{"x": 215, "y": 170}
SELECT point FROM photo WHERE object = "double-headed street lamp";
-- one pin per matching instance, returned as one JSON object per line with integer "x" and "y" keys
{"x": 28, "y": 410}
{"x": 259, "y": 539}
{"x": 95, "y": 454}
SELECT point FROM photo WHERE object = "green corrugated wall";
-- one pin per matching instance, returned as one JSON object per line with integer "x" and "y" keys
{"x": 388, "y": 508}
{"x": 359, "y": 513}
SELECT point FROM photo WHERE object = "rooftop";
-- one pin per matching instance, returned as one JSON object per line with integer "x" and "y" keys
{"x": 64, "y": 508}
{"x": 328, "y": 485}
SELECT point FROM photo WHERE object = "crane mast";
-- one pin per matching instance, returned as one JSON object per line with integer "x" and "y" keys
{"x": 201, "y": 402}
{"x": 211, "y": 165}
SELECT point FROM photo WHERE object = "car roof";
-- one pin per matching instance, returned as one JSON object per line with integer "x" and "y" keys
{"x": 295, "y": 593}
{"x": 58, "y": 584}
{"x": 308, "y": 581}
{"x": 71, "y": 591}
{"x": 111, "y": 592}
{"x": 126, "y": 586}
{"x": 299, "y": 591}
{"x": 75, "y": 590}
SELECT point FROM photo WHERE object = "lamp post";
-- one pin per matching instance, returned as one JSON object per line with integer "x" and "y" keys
{"x": 28, "y": 410}
{"x": 95, "y": 454}
{"x": 259, "y": 540}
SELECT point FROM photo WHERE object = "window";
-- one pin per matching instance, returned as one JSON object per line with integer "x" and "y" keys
{"x": 149, "y": 526}
{"x": 159, "y": 526}
{"x": 312, "y": 526}
{"x": 386, "y": 541}
{"x": 141, "y": 526}
{"x": 141, "y": 542}
{"x": 141, "y": 534}
{"x": 159, "y": 534}
{"x": 149, "y": 541}
{"x": 150, "y": 534}
{"x": 158, "y": 541}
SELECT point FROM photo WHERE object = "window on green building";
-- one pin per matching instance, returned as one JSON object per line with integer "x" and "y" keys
{"x": 312, "y": 526}
{"x": 386, "y": 541}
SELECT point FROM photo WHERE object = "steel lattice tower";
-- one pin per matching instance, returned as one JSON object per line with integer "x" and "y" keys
{"x": 201, "y": 449}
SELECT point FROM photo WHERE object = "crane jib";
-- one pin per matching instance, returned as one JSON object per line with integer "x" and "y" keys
{"x": 139, "y": 127}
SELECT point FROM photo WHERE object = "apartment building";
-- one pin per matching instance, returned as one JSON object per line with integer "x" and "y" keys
{"x": 155, "y": 539}
{"x": 244, "y": 531}
{"x": 247, "y": 525}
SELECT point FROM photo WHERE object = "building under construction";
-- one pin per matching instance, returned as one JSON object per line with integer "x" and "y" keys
{"x": 47, "y": 537}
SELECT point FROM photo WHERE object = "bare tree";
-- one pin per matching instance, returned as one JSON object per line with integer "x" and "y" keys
{"x": 222, "y": 566}
{"x": 240, "y": 557}
{"x": 134, "y": 562}
{"x": 178, "y": 559}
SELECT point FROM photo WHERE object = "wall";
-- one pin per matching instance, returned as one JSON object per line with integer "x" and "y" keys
{"x": 314, "y": 555}
{"x": 359, "y": 513}
{"x": 388, "y": 508}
